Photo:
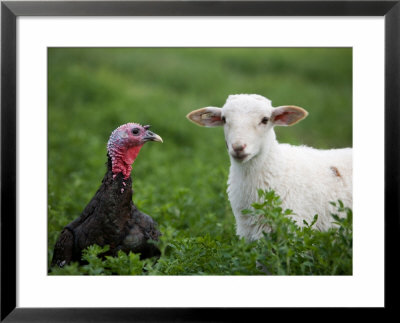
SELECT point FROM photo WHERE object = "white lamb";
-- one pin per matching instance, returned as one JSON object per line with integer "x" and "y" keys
{"x": 305, "y": 178}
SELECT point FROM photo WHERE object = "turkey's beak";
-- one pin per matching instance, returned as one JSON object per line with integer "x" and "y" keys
{"x": 151, "y": 136}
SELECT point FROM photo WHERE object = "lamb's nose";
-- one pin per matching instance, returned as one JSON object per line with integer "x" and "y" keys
{"x": 238, "y": 147}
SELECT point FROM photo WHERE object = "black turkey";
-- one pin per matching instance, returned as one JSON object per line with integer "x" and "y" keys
{"x": 111, "y": 218}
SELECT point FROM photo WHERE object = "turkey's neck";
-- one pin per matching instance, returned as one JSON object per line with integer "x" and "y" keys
{"x": 120, "y": 184}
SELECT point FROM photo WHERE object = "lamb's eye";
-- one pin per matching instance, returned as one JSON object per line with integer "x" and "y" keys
{"x": 135, "y": 131}
{"x": 264, "y": 120}
{"x": 223, "y": 119}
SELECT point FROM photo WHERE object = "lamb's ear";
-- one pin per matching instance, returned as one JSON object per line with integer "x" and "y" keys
{"x": 288, "y": 115}
{"x": 206, "y": 117}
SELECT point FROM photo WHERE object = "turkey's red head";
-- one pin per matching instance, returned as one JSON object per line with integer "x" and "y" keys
{"x": 124, "y": 145}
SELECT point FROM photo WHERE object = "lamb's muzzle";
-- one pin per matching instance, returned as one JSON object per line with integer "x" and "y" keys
{"x": 238, "y": 151}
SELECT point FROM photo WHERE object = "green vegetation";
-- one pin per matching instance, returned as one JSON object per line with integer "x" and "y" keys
{"x": 182, "y": 182}
{"x": 287, "y": 250}
{"x": 291, "y": 250}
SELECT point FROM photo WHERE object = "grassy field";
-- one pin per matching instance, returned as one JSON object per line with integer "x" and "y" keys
{"x": 182, "y": 182}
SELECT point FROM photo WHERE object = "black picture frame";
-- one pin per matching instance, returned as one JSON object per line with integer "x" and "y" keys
{"x": 11, "y": 10}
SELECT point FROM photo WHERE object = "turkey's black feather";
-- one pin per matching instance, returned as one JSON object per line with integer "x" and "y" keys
{"x": 110, "y": 218}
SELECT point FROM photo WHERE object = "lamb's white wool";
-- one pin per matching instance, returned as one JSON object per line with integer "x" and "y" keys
{"x": 305, "y": 178}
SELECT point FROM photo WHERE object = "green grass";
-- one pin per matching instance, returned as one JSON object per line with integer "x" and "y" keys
{"x": 182, "y": 182}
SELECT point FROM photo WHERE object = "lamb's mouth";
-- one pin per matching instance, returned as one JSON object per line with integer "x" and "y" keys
{"x": 240, "y": 157}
